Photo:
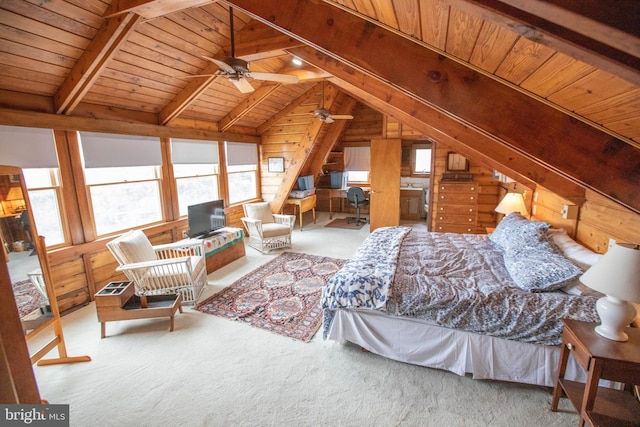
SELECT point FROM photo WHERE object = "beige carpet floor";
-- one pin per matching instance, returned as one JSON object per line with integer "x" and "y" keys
{"x": 215, "y": 372}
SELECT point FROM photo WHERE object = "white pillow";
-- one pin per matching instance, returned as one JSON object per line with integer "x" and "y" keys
{"x": 583, "y": 257}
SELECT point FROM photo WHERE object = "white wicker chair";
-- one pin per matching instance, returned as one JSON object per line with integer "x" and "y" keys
{"x": 266, "y": 230}
{"x": 172, "y": 268}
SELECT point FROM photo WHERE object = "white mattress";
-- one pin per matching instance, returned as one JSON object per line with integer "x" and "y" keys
{"x": 417, "y": 342}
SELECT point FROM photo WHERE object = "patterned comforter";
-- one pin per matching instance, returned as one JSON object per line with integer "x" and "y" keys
{"x": 454, "y": 280}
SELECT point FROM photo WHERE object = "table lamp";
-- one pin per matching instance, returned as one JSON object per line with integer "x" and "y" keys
{"x": 512, "y": 202}
{"x": 617, "y": 275}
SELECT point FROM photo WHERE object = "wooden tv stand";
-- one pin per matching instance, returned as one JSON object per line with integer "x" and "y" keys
{"x": 223, "y": 248}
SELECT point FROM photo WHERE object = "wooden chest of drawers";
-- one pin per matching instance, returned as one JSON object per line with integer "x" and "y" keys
{"x": 457, "y": 207}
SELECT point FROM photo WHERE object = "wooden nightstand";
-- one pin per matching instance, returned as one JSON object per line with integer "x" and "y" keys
{"x": 602, "y": 359}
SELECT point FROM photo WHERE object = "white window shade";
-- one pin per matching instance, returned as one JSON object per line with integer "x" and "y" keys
{"x": 103, "y": 150}
{"x": 357, "y": 158}
{"x": 189, "y": 151}
{"x": 240, "y": 154}
{"x": 27, "y": 147}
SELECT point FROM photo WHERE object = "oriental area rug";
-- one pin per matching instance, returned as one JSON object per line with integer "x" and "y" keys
{"x": 28, "y": 298}
{"x": 282, "y": 296}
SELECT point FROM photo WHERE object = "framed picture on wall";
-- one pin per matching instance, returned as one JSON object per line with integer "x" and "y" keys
{"x": 457, "y": 163}
{"x": 276, "y": 164}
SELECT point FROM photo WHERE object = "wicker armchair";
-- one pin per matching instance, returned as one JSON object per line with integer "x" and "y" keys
{"x": 172, "y": 268}
{"x": 266, "y": 230}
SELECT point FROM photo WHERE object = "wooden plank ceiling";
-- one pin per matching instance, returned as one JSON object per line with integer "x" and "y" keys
{"x": 552, "y": 61}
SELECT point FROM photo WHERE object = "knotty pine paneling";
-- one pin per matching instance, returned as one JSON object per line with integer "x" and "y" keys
{"x": 600, "y": 220}
{"x": 547, "y": 207}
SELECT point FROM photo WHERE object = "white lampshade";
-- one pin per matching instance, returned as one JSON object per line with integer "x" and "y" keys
{"x": 512, "y": 202}
{"x": 617, "y": 275}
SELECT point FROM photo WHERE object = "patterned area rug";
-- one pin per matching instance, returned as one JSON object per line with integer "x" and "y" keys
{"x": 28, "y": 298}
{"x": 282, "y": 296}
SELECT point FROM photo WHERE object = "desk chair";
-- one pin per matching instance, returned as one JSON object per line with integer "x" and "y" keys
{"x": 357, "y": 199}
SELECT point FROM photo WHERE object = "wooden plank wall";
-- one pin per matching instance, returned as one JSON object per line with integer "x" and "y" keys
{"x": 601, "y": 219}
{"x": 598, "y": 220}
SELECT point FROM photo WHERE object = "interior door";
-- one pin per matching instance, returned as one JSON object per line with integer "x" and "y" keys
{"x": 386, "y": 156}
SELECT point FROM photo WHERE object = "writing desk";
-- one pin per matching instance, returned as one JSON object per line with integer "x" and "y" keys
{"x": 341, "y": 193}
{"x": 302, "y": 206}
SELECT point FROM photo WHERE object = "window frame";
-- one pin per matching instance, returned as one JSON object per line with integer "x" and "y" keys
{"x": 157, "y": 179}
{"x": 56, "y": 187}
{"x": 420, "y": 146}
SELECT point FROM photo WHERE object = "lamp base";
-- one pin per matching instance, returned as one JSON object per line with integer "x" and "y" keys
{"x": 615, "y": 315}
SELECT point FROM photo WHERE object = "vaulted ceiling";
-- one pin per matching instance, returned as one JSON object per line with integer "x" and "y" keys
{"x": 545, "y": 91}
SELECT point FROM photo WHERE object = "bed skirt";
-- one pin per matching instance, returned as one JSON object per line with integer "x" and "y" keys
{"x": 417, "y": 342}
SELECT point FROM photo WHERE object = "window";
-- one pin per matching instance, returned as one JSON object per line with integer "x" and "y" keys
{"x": 43, "y": 186}
{"x": 123, "y": 180}
{"x": 34, "y": 151}
{"x": 195, "y": 168}
{"x": 123, "y": 198}
{"x": 356, "y": 164}
{"x": 357, "y": 176}
{"x": 242, "y": 171}
{"x": 421, "y": 159}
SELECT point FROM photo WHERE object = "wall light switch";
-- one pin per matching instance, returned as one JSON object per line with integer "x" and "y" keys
{"x": 611, "y": 242}
{"x": 570, "y": 211}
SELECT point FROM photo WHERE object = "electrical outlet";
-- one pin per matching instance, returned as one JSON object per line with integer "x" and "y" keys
{"x": 184, "y": 234}
{"x": 611, "y": 242}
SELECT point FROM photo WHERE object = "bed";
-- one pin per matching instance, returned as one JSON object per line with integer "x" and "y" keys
{"x": 485, "y": 305}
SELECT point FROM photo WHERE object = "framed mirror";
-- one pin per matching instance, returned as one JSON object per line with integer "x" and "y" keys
{"x": 24, "y": 253}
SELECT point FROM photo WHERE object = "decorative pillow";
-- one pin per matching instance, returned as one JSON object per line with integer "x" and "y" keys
{"x": 136, "y": 247}
{"x": 540, "y": 268}
{"x": 515, "y": 231}
{"x": 261, "y": 211}
{"x": 573, "y": 250}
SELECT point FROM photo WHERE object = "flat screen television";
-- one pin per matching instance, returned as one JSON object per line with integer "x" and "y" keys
{"x": 205, "y": 218}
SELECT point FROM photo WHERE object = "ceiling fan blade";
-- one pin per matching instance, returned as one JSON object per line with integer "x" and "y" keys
{"x": 342, "y": 116}
{"x": 196, "y": 76}
{"x": 221, "y": 64}
{"x": 242, "y": 84}
{"x": 272, "y": 77}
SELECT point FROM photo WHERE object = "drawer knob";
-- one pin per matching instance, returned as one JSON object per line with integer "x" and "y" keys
{"x": 570, "y": 346}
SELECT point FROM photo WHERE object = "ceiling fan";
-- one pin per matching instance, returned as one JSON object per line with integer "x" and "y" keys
{"x": 325, "y": 115}
{"x": 237, "y": 70}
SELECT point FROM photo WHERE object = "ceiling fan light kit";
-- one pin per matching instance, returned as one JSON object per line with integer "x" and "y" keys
{"x": 237, "y": 70}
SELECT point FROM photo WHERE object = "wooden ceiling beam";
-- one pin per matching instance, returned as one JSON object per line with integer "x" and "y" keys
{"x": 93, "y": 61}
{"x": 150, "y": 9}
{"x": 564, "y": 145}
{"x": 289, "y": 108}
{"x": 11, "y": 117}
{"x": 432, "y": 123}
{"x": 245, "y": 106}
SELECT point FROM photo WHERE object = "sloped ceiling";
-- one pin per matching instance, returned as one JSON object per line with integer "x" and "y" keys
{"x": 548, "y": 92}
